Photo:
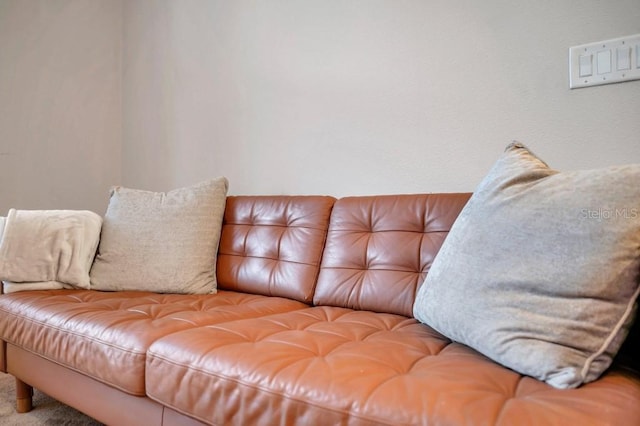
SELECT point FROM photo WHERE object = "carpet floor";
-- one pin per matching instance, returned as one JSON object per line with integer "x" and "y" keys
{"x": 46, "y": 410}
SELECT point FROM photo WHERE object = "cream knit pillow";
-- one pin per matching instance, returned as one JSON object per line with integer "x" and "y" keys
{"x": 161, "y": 242}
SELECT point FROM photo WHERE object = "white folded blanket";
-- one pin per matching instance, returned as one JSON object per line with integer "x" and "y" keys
{"x": 48, "y": 249}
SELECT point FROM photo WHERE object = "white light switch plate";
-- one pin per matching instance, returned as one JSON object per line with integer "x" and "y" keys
{"x": 604, "y": 62}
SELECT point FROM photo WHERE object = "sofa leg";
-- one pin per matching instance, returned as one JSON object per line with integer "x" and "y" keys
{"x": 24, "y": 394}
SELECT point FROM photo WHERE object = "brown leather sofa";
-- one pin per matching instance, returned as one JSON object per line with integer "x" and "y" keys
{"x": 312, "y": 325}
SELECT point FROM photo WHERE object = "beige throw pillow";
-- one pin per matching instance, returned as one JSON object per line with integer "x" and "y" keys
{"x": 161, "y": 242}
{"x": 540, "y": 270}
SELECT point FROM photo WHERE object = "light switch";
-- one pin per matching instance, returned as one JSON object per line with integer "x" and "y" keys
{"x": 586, "y": 65}
{"x": 604, "y": 61}
{"x": 623, "y": 56}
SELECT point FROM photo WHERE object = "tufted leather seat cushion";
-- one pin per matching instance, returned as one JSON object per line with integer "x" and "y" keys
{"x": 92, "y": 332}
{"x": 272, "y": 245}
{"x": 380, "y": 248}
{"x": 328, "y": 365}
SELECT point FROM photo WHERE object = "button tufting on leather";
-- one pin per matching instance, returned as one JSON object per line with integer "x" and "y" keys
{"x": 393, "y": 239}
{"x": 260, "y": 230}
{"x": 88, "y": 330}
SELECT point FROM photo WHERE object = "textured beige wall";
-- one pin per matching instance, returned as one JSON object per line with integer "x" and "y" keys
{"x": 60, "y": 103}
{"x": 325, "y": 97}
{"x": 361, "y": 97}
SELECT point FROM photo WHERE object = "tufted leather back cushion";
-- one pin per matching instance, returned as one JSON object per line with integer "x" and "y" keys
{"x": 379, "y": 249}
{"x": 272, "y": 245}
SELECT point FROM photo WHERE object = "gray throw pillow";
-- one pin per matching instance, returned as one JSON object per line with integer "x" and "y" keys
{"x": 161, "y": 242}
{"x": 540, "y": 271}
